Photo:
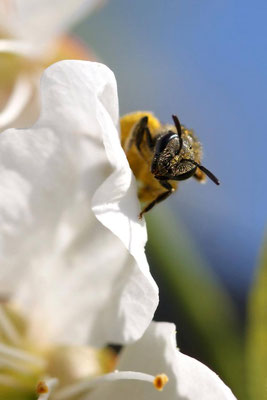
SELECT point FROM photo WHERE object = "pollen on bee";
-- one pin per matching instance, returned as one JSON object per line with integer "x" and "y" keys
{"x": 41, "y": 387}
{"x": 175, "y": 160}
{"x": 160, "y": 381}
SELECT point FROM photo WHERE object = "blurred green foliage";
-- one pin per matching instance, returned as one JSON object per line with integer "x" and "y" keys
{"x": 9, "y": 393}
{"x": 257, "y": 332}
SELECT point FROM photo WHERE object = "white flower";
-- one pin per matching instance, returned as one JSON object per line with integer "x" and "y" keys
{"x": 153, "y": 362}
{"x": 29, "y": 40}
{"x": 39, "y": 21}
{"x": 71, "y": 246}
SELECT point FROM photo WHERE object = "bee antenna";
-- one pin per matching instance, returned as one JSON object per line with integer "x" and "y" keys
{"x": 179, "y": 131}
{"x": 209, "y": 174}
{"x": 205, "y": 170}
{"x": 177, "y": 125}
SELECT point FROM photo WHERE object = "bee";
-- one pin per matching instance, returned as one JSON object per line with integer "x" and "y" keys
{"x": 160, "y": 155}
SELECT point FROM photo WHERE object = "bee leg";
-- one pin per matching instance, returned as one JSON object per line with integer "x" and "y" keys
{"x": 160, "y": 197}
{"x": 137, "y": 136}
{"x": 140, "y": 136}
{"x": 137, "y": 133}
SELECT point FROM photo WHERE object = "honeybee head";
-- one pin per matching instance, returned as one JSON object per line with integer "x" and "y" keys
{"x": 175, "y": 158}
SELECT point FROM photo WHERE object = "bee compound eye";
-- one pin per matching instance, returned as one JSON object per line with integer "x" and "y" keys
{"x": 164, "y": 140}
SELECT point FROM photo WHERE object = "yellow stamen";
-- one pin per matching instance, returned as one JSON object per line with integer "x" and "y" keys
{"x": 160, "y": 381}
{"x": 41, "y": 387}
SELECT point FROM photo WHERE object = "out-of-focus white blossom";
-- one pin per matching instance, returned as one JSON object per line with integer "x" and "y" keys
{"x": 30, "y": 41}
{"x": 39, "y": 21}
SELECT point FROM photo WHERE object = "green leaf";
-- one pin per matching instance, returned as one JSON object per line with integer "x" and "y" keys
{"x": 194, "y": 288}
{"x": 257, "y": 332}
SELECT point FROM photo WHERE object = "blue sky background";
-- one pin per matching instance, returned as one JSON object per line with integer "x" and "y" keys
{"x": 205, "y": 61}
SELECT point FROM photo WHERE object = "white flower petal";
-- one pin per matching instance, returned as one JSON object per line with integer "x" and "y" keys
{"x": 20, "y": 96}
{"x": 18, "y": 47}
{"x": 71, "y": 246}
{"x": 156, "y": 353}
{"x": 39, "y": 20}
